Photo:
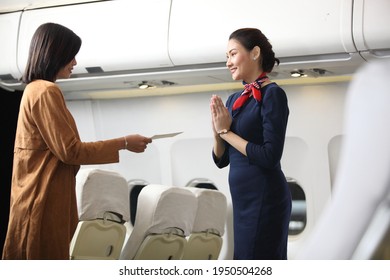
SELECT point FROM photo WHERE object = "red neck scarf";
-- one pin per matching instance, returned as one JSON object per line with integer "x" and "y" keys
{"x": 251, "y": 89}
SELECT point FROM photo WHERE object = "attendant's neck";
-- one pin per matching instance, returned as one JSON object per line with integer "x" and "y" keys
{"x": 254, "y": 77}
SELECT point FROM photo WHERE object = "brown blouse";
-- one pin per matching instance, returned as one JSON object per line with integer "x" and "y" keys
{"x": 48, "y": 153}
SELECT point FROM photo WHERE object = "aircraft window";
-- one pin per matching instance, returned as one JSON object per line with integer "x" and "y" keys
{"x": 334, "y": 148}
{"x": 135, "y": 188}
{"x": 298, "y": 211}
{"x": 202, "y": 183}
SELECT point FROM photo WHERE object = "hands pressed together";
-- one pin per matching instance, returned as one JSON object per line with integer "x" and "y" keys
{"x": 137, "y": 143}
{"x": 220, "y": 115}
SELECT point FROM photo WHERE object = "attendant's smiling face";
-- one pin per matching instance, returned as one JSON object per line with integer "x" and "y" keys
{"x": 241, "y": 62}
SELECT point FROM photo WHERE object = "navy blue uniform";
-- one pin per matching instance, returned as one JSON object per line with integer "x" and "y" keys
{"x": 260, "y": 194}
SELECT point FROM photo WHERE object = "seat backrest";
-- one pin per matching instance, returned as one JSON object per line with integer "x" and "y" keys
{"x": 165, "y": 215}
{"x": 362, "y": 185}
{"x": 135, "y": 187}
{"x": 205, "y": 240}
{"x": 97, "y": 240}
{"x": 375, "y": 243}
{"x": 103, "y": 207}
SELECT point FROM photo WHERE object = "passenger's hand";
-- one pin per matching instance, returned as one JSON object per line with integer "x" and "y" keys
{"x": 137, "y": 143}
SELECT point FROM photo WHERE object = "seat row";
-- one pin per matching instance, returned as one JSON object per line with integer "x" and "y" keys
{"x": 170, "y": 223}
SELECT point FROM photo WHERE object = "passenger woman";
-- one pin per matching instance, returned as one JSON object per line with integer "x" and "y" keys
{"x": 249, "y": 135}
{"x": 48, "y": 152}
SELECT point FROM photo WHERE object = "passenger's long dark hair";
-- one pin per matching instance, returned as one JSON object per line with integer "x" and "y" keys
{"x": 52, "y": 47}
{"x": 252, "y": 37}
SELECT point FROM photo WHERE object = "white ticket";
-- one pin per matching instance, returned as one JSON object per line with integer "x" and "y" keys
{"x": 166, "y": 135}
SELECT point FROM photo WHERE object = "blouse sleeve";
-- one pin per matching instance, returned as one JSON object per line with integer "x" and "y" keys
{"x": 58, "y": 129}
{"x": 274, "y": 120}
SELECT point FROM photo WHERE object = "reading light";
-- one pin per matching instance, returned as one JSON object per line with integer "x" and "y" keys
{"x": 145, "y": 85}
{"x": 298, "y": 74}
{"x": 295, "y": 74}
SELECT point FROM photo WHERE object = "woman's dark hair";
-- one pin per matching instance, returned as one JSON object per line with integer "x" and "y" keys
{"x": 52, "y": 47}
{"x": 252, "y": 37}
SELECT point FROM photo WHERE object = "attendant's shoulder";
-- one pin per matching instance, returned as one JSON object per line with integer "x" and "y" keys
{"x": 273, "y": 88}
{"x": 274, "y": 93}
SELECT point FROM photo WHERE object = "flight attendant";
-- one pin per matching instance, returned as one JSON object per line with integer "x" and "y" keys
{"x": 48, "y": 152}
{"x": 249, "y": 135}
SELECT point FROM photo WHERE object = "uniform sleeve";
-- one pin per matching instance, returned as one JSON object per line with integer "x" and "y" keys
{"x": 224, "y": 160}
{"x": 58, "y": 129}
{"x": 274, "y": 115}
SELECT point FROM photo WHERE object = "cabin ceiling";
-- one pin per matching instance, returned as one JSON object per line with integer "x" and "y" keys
{"x": 8, "y": 6}
{"x": 201, "y": 88}
{"x": 196, "y": 80}
{"x": 172, "y": 66}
